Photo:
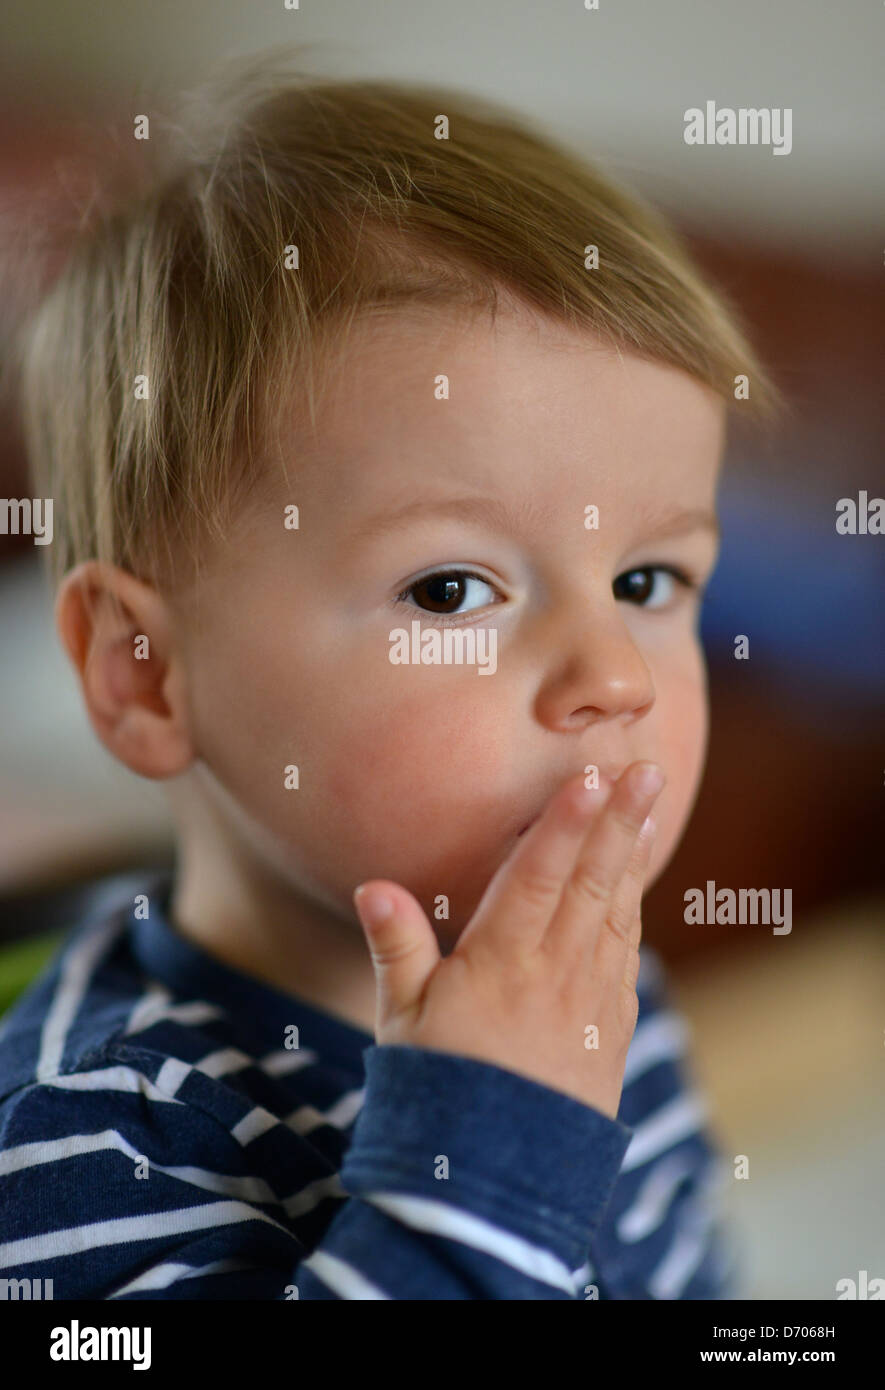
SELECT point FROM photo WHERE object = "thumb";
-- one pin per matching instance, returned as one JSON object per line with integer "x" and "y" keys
{"x": 401, "y": 942}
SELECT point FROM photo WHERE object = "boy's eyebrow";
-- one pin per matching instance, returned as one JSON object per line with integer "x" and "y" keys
{"x": 680, "y": 520}
{"x": 489, "y": 510}
{"x": 493, "y": 512}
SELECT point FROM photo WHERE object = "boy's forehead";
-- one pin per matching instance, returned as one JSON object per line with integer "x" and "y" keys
{"x": 399, "y": 344}
{"x": 452, "y": 362}
{"x": 456, "y": 403}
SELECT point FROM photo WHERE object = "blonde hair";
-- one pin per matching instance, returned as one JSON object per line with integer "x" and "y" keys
{"x": 181, "y": 277}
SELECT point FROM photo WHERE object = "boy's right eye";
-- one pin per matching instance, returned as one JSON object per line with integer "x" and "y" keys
{"x": 443, "y": 591}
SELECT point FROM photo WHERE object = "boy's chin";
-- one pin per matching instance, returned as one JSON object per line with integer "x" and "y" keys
{"x": 655, "y": 871}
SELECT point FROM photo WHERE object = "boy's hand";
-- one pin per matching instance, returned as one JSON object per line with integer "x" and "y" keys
{"x": 551, "y": 949}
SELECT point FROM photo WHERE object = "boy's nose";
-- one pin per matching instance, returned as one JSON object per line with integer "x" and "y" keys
{"x": 597, "y": 673}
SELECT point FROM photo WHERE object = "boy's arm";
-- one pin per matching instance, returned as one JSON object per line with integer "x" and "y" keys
{"x": 473, "y": 1182}
{"x": 462, "y": 1181}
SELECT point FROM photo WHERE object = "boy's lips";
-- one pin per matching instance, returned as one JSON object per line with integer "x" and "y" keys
{"x": 604, "y": 777}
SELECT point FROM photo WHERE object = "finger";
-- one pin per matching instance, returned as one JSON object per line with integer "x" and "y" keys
{"x": 522, "y": 895}
{"x": 602, "y": 862}
{"x": 624, "y": 917}
{"x": 401, "y": 942}
{"x": 617, "y": 951}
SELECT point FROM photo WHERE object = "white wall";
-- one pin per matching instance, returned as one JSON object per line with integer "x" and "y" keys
{"x": 614, "y": 82}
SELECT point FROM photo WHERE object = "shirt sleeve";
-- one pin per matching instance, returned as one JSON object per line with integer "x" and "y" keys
{"x": 462, "y": 1181}
{"x": 469, "y": 1181}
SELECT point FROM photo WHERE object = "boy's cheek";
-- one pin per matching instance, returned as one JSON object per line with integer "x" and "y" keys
{"x": 415, "y": 794}
{"x": 685, "y": 743}
{"x": 406, "y": 769}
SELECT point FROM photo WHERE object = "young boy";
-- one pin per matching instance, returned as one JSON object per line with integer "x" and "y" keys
{"x": 383, "y": 439}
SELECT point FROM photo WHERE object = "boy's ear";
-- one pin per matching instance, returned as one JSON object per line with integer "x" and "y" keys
{"x": 118, "y": 634}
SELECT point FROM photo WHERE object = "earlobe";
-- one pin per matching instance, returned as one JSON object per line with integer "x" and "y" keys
{"x": 117, "y": 632}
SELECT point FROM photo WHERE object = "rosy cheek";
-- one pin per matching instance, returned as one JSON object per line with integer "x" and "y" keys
{"x": 684, "y": 744}
{"x": 422, "y": 756}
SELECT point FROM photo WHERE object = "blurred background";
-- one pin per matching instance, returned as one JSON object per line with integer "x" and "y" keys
{"x": 788, "y": 1031}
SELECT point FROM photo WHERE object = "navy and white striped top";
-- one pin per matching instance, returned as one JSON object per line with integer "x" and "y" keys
{"x": 170, "y": 1128}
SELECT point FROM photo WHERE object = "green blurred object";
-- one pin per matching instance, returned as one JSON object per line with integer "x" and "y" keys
{"x": 21, "y": 963}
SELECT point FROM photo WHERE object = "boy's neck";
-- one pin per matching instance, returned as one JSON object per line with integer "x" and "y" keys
{"x": 225, "y": 901}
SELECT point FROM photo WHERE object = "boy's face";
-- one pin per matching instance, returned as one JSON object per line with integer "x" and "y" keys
{"x": 425, "y": 774}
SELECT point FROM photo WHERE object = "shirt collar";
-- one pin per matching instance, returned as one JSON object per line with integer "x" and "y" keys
{"x": 260, "y": 1012}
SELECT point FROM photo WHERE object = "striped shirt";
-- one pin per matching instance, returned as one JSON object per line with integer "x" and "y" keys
{"x": 170, "y": 1128}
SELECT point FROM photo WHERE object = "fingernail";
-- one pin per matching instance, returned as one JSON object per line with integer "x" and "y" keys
{"x": 648, "y": 780}
{"x": 373, "y": 908}
{"x": 648, "y": 827}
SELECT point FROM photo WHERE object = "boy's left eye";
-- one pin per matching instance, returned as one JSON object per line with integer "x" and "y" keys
{"x": 636, "y": 584}
{"x": 446, "y": 590}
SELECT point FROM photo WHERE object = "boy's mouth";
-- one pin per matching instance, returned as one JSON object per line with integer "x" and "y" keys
{"x": 606, "y": 778}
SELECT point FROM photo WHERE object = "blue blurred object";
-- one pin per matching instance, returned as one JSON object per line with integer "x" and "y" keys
{"x": 811, "y": 601}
